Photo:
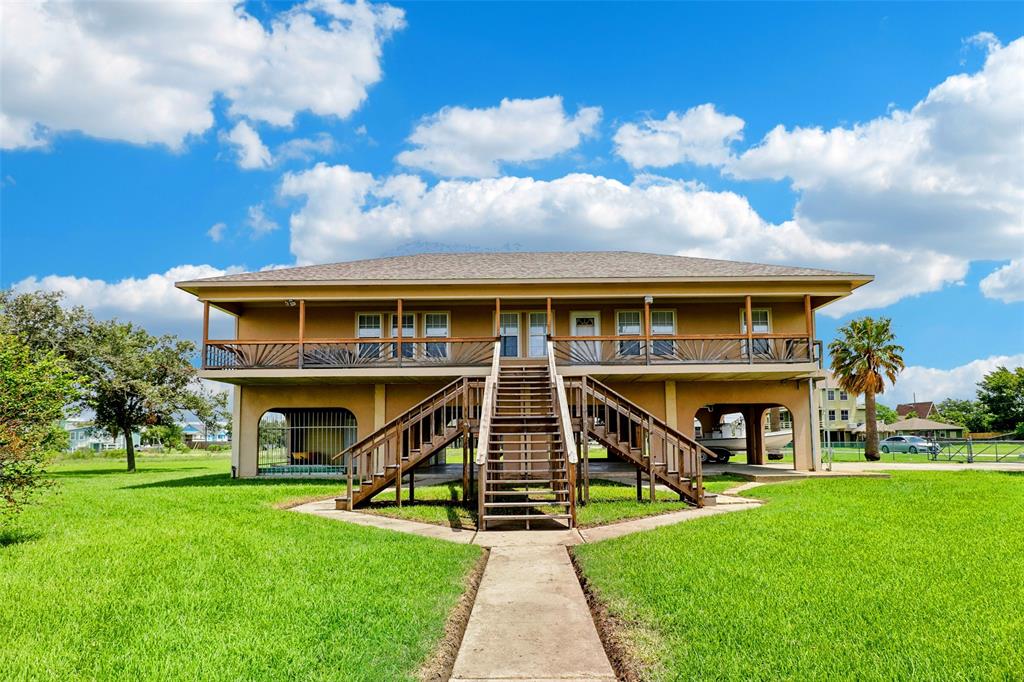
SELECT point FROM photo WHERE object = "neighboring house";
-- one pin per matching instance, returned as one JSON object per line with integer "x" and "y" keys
{"x": 917, "y": 426}
{"x": 924, "y": 410}
{"x": 196, "y": 432}
{"x": 83, "y": 435}
{"x": 385, "y": 362}
{"x": 840, "y": 412}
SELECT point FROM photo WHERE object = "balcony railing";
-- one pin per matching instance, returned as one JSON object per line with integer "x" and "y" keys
{"x": 348, "y": 353}
{"x": 711, "y": 349}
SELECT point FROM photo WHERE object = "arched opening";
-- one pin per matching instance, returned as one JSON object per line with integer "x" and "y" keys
{"x": 724, "y": 428}
{"x": 303, "y": 441}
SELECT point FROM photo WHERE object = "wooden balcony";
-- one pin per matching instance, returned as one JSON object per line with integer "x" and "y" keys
{"x": 712, "y": 349}
{"x": 348, "y": 353}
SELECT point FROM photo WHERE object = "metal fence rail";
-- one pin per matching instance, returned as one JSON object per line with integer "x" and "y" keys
{"x": 950, "y": 450}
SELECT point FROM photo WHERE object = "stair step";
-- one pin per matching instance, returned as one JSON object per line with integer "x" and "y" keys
{"x": 492, "y": 505}
{"x": 524, "y": 517}
{"x": 525, "y": 481}
{"x": 534, "y": 491}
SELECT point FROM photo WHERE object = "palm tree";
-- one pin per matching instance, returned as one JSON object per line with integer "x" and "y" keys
{"x": 864, "y": 355}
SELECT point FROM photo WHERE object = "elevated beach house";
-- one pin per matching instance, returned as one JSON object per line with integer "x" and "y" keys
{"x": 368, "y": 369}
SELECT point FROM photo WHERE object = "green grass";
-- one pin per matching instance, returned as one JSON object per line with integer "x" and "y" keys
{"x": 913, "y": 577}
{"x": 609, "y": 502}
{"x": 179, "y": 573}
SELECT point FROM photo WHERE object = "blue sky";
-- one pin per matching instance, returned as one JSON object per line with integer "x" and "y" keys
{"x": 899, "y": 151}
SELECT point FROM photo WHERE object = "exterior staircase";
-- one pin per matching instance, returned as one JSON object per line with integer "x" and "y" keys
{"x": 380, "y": 460}
{"x": 668, "y": 457}
{"x": 527, "y": 476}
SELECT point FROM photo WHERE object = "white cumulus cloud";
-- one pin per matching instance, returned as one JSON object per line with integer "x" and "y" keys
{"x": 346, "y": 214}
{"x": 946, "y": 175}
{"x": 258, "y": 221}
{"x": 251, "y": 151}
{"x": 701, "y": 135}
{"x": 1005, "y": 284}
{"x": 929, "y": 383}
{"x": 148, "y": 72}
{"x": 151, "y": 301}
{"x": 460, "y": 142}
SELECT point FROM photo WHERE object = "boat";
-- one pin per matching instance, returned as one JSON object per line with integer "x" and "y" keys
{"x": 726, "y": 446}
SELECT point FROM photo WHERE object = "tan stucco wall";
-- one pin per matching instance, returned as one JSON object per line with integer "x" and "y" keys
{"x": 363, "y": 401}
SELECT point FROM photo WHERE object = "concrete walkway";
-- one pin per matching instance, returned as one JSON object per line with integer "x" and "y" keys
{"x": 530, "y": 621}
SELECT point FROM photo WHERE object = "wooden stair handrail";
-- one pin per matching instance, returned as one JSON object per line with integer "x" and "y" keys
{"x": 375, "y": 435}
{"x": 487, "y": 407}
{"x": 591, "y": 383}
{"x": 562, "y": 405}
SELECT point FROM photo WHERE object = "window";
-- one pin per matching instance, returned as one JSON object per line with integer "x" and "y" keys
{"x": 831, "y": 415}
{"x": 831, "y": 394}
{"x": 435, "y": 325}
{"x": 628, "y": 324}
{"x": 762, "y": 324}
{"x": 408, "y": 332}
{"x": 843, "y": 395}
{"x": 538, "y": 335}
{"x": 508, "y": 330}
{"x": 844, "y": 415}
{"x": 304, "y": 441}
{"x": 663, "y": 323}
{"x": 368, "y": 326}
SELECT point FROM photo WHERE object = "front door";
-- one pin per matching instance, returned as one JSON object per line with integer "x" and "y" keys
{"x": 585, "y": 352}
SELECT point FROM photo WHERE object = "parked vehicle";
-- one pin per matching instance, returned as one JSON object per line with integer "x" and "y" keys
{"x": 911, "y": 444}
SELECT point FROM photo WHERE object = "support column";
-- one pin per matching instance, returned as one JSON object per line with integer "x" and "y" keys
{"x": 815, "y": 425}
{"x": 753, "y": 422}
{"x": 671, "y": 415}
{"x": 236, "y": 425}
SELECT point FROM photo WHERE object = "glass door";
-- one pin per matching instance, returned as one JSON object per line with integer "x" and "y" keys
{"x": 408, "y": 332}
{"x": 508, "y": 330}
{"x": 585, "y": 352}
{"x": 435, "y": 325}
{"x": 538, "y": 335}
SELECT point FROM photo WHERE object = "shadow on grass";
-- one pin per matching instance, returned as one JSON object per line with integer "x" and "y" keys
{"x": 16, "y": 536}
{"x": 225, "y": 481}
{"x": 451, "y": 505}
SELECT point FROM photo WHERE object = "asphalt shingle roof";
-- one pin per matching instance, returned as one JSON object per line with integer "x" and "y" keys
{"x": 574, "y": 265}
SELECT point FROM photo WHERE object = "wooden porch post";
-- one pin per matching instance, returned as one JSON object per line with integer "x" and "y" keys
{"x": 647, "y": 329}
{"x": 750, "y": 331}
{"x": 206, "y": 329}
{"x": 497, "y": 317}
{"x": 551, "y": 320}
{"x": 302, "y": 330}
{"x": 809, "y": 318}
{"x": 398, "y": 463}
{"x": 398, "y": 333}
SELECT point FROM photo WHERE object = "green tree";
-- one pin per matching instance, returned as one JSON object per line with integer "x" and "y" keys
{"x": 42, "y": 324}
{"x": 863, "y": 356}
{"x": 887, "y": 414}
{"x": 970, "y": 414}
{"x": 134, "y": 379}
{"x": 170, "y": 436}
{"x": 34, "y": 390}
{"x": 1001, "y": 391}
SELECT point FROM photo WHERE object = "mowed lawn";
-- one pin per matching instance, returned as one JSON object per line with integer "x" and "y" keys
{"x": 917, "y": 577}
{"x": 179, "y": 573}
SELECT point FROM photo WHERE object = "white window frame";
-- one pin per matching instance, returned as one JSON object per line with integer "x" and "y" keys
{"x": 830, "y": 394}
{"x": 447, "y": 331}
{"x": 743, "y": 319}
{"x": 366, "y": 350}
{"x": 408, "y": 350}
{"x": 519, "y": 333}
{"x": 530, "y": 335}
{"x": 831, "y": 415}
{"x": 844, "y": 415}
{"x": 620, "y": 346}
{"x": 670, "y": 344}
